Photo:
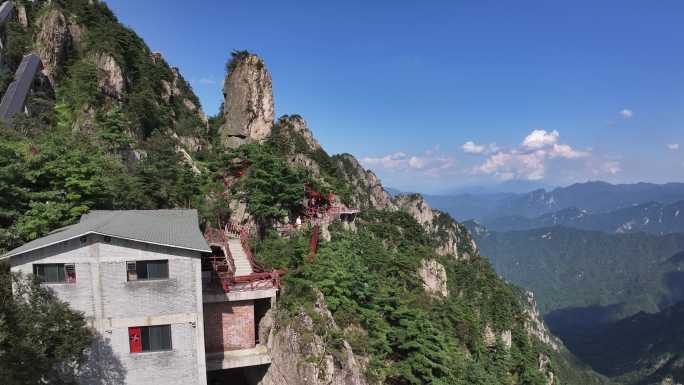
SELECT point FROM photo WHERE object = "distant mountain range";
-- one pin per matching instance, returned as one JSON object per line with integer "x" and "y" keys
{"x": 652, "y": 217}
{"x": 598, "y": 257}
{"x": 593, "y": 197}
{"x": 618, "y": 274}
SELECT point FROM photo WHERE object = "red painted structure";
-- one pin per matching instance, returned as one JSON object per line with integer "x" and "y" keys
{"x": 223, "y": 267}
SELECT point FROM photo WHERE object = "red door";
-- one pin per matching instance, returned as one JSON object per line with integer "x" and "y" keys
{"x": 135, "y": 339}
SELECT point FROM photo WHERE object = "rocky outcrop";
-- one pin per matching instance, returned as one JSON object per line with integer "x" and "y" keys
{"x": 434, "y": 277}
{"x": 366, "y": 187}
{"x": 303, "y": 161}
{"x": 110, "y": 76}
{"x": 297, "y": 126}
{"x": 442, "y": 227}
{"x": 490, "y": 338}
{"x": 300, "y": 355}
{"x": 545, "y": 367}
{"x": 535, "y": 326}
{"x": 415, "y": 205}
{"x": 52, "y": 43}
{"x": 296, "y": 143}
{"x": 248, "y": 109}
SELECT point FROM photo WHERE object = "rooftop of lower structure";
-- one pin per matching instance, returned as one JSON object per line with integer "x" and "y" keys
{"x": 173, "y": 228}
{"x": 230, "y": 359}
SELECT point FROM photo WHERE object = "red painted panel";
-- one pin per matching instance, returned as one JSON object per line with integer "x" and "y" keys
{"x": 135, "y": 339}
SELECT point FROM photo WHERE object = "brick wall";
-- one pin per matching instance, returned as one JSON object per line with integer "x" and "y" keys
{"x": 228, "y": 326}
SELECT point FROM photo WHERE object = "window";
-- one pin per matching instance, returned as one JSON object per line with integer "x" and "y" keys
{"x": 55, "y": 272}
{"x": 146, "y": 270}
{"x": 149, "y": 338}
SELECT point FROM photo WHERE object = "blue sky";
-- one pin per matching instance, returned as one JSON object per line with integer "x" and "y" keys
{"x": 438, "y": 95}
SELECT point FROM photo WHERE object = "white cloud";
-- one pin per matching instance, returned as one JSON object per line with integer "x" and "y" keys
{"x": 416, "y": 163}
{"x": 565, "y": 151}
{"x": 627, "y": 114}
{"x": 390, "y": 162}
{"x": 431, "y": 163}
{"x": 529, "y": 161}
{"x": 540, "y": 139}
{"x": 673, "y": 146}
{"x": 471, "y": 147}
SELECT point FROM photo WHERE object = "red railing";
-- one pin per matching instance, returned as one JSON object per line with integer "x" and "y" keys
{"x": 220, "y": 266}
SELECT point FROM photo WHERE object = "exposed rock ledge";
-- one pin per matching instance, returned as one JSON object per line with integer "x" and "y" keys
{"x": 434, "y": 277}
{"x": 299, "y": 356}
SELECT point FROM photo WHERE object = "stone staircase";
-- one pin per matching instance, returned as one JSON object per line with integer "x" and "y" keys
{"x": 242, "y": 265}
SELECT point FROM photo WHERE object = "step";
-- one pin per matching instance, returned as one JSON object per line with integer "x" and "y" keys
{"x": 240, "y": 260}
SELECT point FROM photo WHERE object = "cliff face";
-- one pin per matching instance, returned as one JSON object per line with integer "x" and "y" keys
{"x": 94, "y": 66}
{"x": 110, "y": 76}
{"x": 301, "y": 353}
{"x": 52, "y": 43}
{"x": 248, "y": 110}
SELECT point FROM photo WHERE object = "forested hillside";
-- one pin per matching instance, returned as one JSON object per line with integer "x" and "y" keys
{"x": 596, "y": 290}
{"x": 570, "y": 268}
{"x": 411, "y": 299}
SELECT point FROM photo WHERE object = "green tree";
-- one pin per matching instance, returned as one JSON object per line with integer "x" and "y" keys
{"x": 271, "y": 188}
{"x": 164, "y": 178}
{"x": 42, "y": 341}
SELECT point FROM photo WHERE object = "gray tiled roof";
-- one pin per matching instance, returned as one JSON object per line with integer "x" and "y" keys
{"x": 175, "y": 228}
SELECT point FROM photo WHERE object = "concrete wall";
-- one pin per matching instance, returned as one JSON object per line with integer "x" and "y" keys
{"x": 111, "y": 304}
{"x": 229, "y": 326}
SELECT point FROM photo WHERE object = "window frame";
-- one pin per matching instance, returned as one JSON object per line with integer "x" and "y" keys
{"x": 66, "y": 273}
{"x": 145, "y": 339}
{"x": 134, "y": 270}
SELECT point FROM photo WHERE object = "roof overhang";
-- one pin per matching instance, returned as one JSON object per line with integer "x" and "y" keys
{"x": 10, "y": 255}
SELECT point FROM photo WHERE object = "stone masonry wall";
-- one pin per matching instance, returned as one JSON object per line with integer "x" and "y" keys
{"x": 111, "y": 305}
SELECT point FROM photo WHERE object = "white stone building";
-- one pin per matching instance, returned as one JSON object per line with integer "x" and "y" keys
{"x": 147, "y": 284}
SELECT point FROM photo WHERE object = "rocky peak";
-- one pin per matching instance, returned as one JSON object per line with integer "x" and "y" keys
{"x": 299, "y": 127}
{"x": 366, "y": 187}
{"x": 248, "y": 109}
{"x": 449, "y": 235}
{"x": 52, "y": 42}
{"x": 415, "y": 205}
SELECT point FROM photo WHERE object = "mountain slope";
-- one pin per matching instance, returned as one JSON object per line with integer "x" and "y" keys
{"x": 570, "y": 268}
{"x": 642, "y": 349}
{"x": 402, "y": 296}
